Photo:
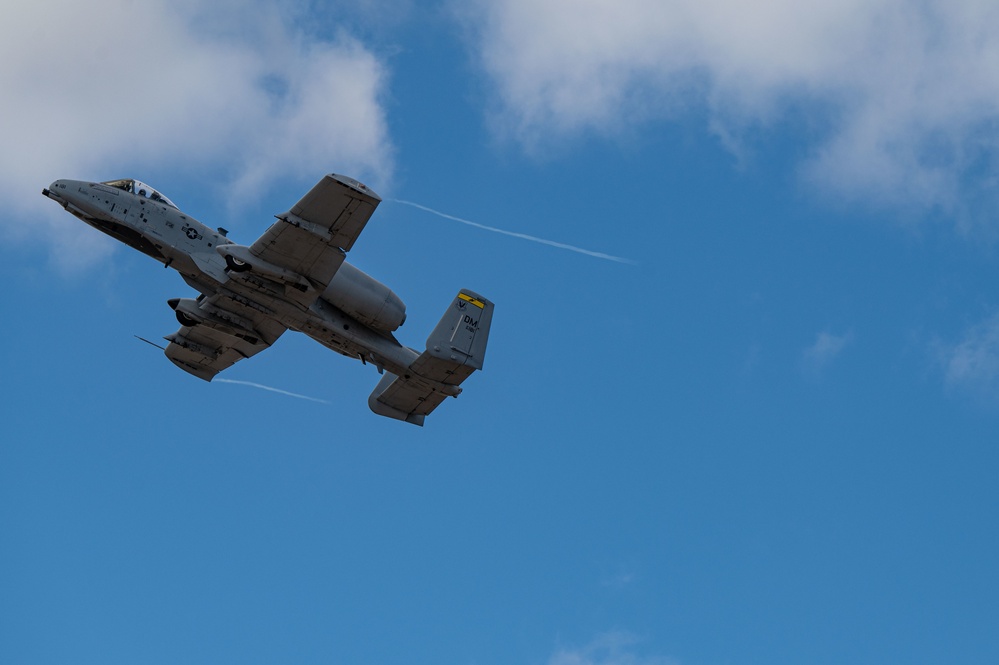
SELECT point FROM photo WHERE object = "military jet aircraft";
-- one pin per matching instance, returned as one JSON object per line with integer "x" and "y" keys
{"x": 293, "y": 277}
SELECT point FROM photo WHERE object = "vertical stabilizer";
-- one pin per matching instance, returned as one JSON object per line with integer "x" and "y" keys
{"x": 463, "y": 331}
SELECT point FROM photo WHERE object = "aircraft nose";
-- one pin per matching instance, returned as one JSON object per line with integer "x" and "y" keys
{"x": 54, "y": 190}
{"x": 73, "y": 195}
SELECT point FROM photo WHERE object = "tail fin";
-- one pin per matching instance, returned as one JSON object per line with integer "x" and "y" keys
{"x": 459, "y": 340}
{"x": 455, "y": 349}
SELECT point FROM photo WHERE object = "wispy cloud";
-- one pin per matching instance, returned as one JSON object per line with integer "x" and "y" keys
{"x": 619, "y": 580}
{"x": 270, "y": 389}
{"x": 973, "y": 363}
{"x": 901, "y": 98}
{"x": 513, "y": 234}
{"x": 614, "y": 648}
{"x": 827, "y": 347}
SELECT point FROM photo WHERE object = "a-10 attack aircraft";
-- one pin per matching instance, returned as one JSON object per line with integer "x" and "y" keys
{"x": 293, "y": 277}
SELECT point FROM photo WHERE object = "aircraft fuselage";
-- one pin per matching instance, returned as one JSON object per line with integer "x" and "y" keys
{"x": 354, "y": 315}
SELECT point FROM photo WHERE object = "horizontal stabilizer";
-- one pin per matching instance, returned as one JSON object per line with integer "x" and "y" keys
{"x": 394, "y": 398}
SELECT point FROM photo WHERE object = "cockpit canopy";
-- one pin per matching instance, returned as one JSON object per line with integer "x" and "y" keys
{"x": 140, "y": 188}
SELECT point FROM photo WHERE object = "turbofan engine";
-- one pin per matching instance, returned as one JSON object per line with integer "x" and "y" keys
{"x": 365, "y": 299}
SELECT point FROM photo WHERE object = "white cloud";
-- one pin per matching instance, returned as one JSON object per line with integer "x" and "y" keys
{"x": 826, "y": 348}
{"x": 900, "y": 98}
{"x": 614, "y": 648}
{"x": 113, "y": 87}
{"x": 974, "y": 362}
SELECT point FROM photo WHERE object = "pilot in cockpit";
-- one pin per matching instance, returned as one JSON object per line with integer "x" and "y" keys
{"x": 142, "y": 189}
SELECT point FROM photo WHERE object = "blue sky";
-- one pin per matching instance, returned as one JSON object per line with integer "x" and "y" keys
{"x": 769, "y": 439}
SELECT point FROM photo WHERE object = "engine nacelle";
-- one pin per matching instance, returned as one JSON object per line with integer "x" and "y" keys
{"x": 365, "y": 299}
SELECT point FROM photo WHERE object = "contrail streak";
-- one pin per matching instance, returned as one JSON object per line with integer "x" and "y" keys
{"x": 273, "y": 390}
{"x": 523, "y": 236}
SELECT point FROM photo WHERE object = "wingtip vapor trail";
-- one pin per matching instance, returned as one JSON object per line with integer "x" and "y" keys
{"x": 270, "y": 389}
{"x": 522, "y": 236}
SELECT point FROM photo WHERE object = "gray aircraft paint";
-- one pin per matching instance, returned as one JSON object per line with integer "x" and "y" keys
{"x": 294, "y": 277}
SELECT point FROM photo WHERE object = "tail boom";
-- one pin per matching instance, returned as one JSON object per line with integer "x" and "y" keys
{"x": 455, "y": 349}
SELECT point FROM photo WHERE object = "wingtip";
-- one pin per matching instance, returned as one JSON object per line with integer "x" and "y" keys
{"x": 356, "y": 185}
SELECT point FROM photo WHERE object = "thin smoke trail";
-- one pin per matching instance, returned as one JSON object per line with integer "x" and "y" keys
{"x": 523, "y": 236}
{"x": 273, "y": 390}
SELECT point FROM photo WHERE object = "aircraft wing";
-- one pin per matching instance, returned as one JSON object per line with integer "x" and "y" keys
{"x": 216, "y": 333}
{"x": 311, "y": 238}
